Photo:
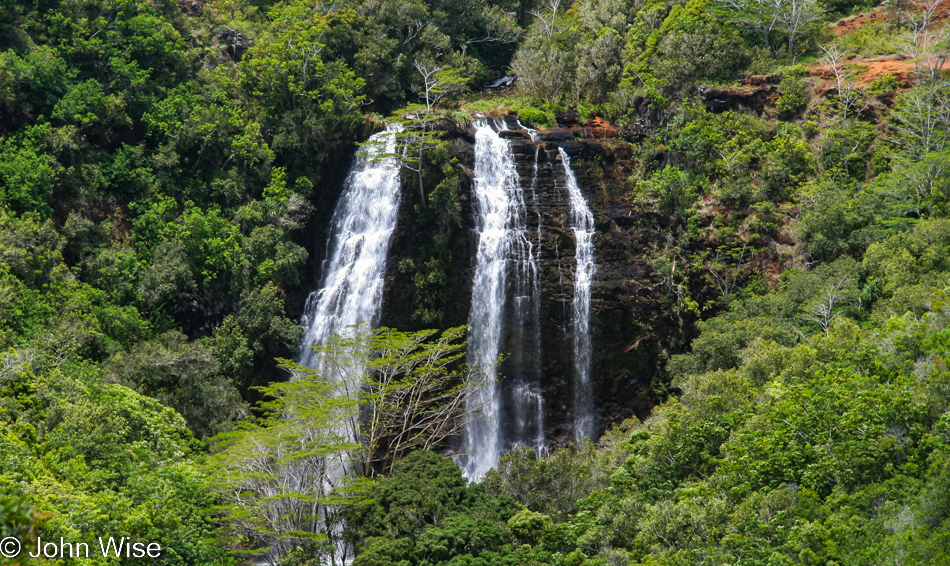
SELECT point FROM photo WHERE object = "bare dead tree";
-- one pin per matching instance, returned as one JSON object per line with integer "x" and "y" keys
{"x": 546, "y": 17}
{"x": 760, "y": 16}
{"x": 498, "y": 27}
{"x": 413, "y": 29}
{"x": 831, "y": 303}
{"x": 919, "y": 185}
{"x": 848, "y": 95}
{"x": 921, "y": 121}
{"x": 765, "y": 16}
{"x": 725, "y": 269}
{"x": 927, "y": 45}
{"x": 794, "y": 16}
{"x": 413, "y": 394}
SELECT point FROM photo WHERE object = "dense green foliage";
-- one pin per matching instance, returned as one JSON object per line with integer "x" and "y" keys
{"x": 281, "y": 479}
{"x": 99, "y": 459}
{"x": 807, "y": 423}
{"x": 158, "y": 163}
{"x": 425, "y": 508}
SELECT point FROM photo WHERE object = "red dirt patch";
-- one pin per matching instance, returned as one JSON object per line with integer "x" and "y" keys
{"x": 600, "y": 128}
{"x": 849, "y": 25}
{"x": 852, "y": 24}
{"x": 870, "y": 70}
{"x": 895, "y": 65}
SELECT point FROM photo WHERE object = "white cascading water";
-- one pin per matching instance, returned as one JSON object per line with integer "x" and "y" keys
{"x": 352, "y": 287}
{"x": 500, "y": 224}
{"x": 540, "y": 442}
{"x": 522, "y": 400}
{"x": 582, "y": 223}
{"x": 362, "y": 225}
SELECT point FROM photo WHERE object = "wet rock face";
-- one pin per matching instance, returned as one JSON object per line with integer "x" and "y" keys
{"x": 620, "y": 378}
{"x": 625, "y": 342}
{"x": 622, "y": 309}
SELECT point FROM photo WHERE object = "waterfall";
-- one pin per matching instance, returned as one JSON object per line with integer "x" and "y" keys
{"x": 582, "y": 223}
{"x": 511, "y": 413}
{"x": 364, "y": 220}
{"x": 351, "y": 290}
{"x": 540, "y": 442}
{"x": 522, "y": 401}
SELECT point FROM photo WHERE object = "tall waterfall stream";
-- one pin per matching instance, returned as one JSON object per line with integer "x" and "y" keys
{"x": 352, "y": 289}
{"x": 582, "y": 224}
{"x": 499, "y": 206}
{"x": 505, "y": 316}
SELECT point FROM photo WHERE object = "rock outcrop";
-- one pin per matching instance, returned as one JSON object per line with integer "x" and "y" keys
{"x": 627, "y": 324}
{"x": 754, "y": 98}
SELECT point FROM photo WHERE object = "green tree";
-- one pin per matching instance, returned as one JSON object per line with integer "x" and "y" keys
{"x": 182, "y": 375}
{"x": 552, "y": 485}
{"x": 919, "y": 189}
{"x": 425, "y": 511}
{"x": 306, "y": 101}
{"x": 419, "y": 134}
{"x": 288, "y": 476}
{"x": 921, "y": 120}
{"x": 98, "y": 457}
{"x": 544, "y": 64}
{"x": 282, "y": 478}
{"x": 793, "y": 18}
{"x": 20, "y": 520}
{"x": 412, "y": 389}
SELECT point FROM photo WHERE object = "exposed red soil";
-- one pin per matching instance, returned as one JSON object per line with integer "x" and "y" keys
{"x": 881, "y": 13}
{"x": 870, "y": 70}
{"x": 849, "y": 25}
{"x": 599, "y": 128}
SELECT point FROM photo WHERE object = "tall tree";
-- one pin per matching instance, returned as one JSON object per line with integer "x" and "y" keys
{"x": 434, "y": 82}
{"x": 287, "y": 478}
{"x": 793, "y": 17}
{"x": 412, "y": 390}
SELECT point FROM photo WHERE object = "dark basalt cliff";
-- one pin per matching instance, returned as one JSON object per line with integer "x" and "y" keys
{"x": 630, "y": 332}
